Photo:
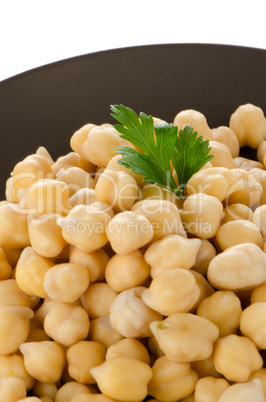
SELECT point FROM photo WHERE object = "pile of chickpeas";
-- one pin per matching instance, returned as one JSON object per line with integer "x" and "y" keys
{"x": 113, "y": 289}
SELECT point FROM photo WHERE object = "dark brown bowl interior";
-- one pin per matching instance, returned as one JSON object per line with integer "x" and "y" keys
{"x": 46, "y": 105}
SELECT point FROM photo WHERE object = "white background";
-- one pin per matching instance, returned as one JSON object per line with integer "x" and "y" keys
{"x": 35, "y": 32}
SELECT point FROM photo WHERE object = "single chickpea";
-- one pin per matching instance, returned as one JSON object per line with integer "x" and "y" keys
{"x": 12, "y": 295}
{"x": 66, "y": 282}
{"x": 69, "y": 390}
{"x": 235, "y": 212}
{"x": 84, "y": 196}
{"x": 223, "y": 308}
{"x": 14, "y": 228}
{"x": 154, "y": 347}
{"x": 222, "y": 155}
{"x": 5, "y": 267}
{"x": 209, "y": 389}
{"x": 173, "y": 251}
{"x": 80, "y": 137}
{"x": 185, "y": 337}
{"x": 67, "y": 324}
{"x": 205, "y": 368}
{"x": 14, "y": 327}
{"x": 246, "y": 190}
{"x": 82, "y": 357}
{"x": 63, "y": 162}
{"x": 231, "y": 269}
{"x": 252, "y": 323}
{"x": 103, "y": 206}
{"x": 249, "y": 125}
{"x": 205, "y": 288}
{"x": 171, "y": 381}
{"x": 128, "y": 231}
{"x": 95, "y": 262}
{"x": 123, "y": 378}
{"x": 243, "y": 392}
{"x": 13, "y": 366}
{"x": 238, "y": 232}
{"x": 114, "y": 164}
{"x": 44, "y": 389}
{"x": 248, "y": 164}
{"x": 41, "y": 312}
{"x": 45, "y": 197}
{"x": 44, "y": 361}
{"x": 85, "y": 228}
{"x": 172, "y": 291}
{"x": 204, "y": 256}
{"x": 76, "y": 179}
{"x": 129, "y": 347}
{"x": 260, "y": 176}
{"x": 103, "y": 332}
{"x": 12, "y": 389}
{"x": 211, "y": 181}
{"x": 45, "y": 235}
{"x": 97, "y": 299}
{"x": 116, "y": 188}
{"x": 127, "y": 271}
{"x": 261, "y": 376}
{"x": 130, "y": 316}
{"x": 37, "y": 335}
{"x": 30, "y": 272}
{"x": 91, "y": 398}
{"x": 202, "y": 214}
{"x": 236, "y": 357}
{"x": 258, "y": 294}
{"x": 152, "y": 191}
{"x": 44, "y": 152}
{"x": 227, "y": 137}
{"x": 196, "y": 120}
{"x": 12, "y": 255}
{"x": 101, "y": 144}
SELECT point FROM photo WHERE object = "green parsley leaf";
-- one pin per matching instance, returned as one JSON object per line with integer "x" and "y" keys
{"x": 160, "y": 145}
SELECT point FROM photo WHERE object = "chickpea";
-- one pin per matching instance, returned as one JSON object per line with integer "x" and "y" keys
{"x": 238, "y": 232}
{"x": 44, "y": 152}
{"x": 66, "y": 161}
{"x": 92, "y": 398}
{"x": 236, "y": 357}
{"x": 13, "y": 366}
{"x": 252, "y": 323}
{"x": 172, "y": 291}
{"x": 66, "y": 282}
{"x": 14, "y": 228}
{"x": 204, "y": 256}
{"x": 123, "y": 378}
{"x": 231, "y": 269}
{"x": 173, "y": 251}
{"x": 12, "y": 389}
{"x": 5, "y": 267}
{"x": 223, "y": 308}
{"x": 258, "y": 294}
{"x": 103, "y": 332}
{"x": 205, "y": 288}
{"x": 222, "y": 155}
{"x": 249, "y": 125}
{"x": 84, "y": 196}
{"x": 260, "y": 176}
{"x": 97, "y": 299}
{"x": 14, "y": 327}
{"x": 126, "y": 271}
{"x": 33, "y": 399}
{"x": 80, "y": 137}
{"x": 185, "y": 337}
{"x": 130, "y": 316}
{"x": 202, "y": 214}
{"x": 69, "y": 390}
{"x": 163, "y": 215}
{"x": 171, "y": 381}
{"x": 196, "y": 120}
{"x": 205, "y": 368}
{"x": 244, "y": 392}
{"x": 85, "y": 228}
{"x": 95, "y": 262}
{"x": 101, "y": 144}
{"x": 67, "y": 324}
{"x": 246, "y": 190}
{"x": 209, "y": 389}
{"x": 236, "y": 212}
{"x": 227, "y": 137}
{"x": 44, "y": 389}
{"x": 248, "y": 164}
{"x": 259, "y": 218}
{"x": 45, "y": 235}
{"x": 83, "y": 356}
{"x": 261, "y": 376}
{"x": 118, "y": 189}
{"x": 76, "y": 179}
{"x": 12, "y": 295}
{"x": 30, "y": 272}
{"x": 44, "y": 361}
{"x": 129, "y": 347}
{"x": 103, "y": 206}
{"x": 114, "y": 164}
{"x": 37, "y": 335}
{"x": 46, "y": 196}
{"x": 128, "y": 232}
{"x": 152, "y": 191}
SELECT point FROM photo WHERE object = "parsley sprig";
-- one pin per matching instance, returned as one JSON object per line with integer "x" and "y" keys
{"x": 160, "y": 144}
